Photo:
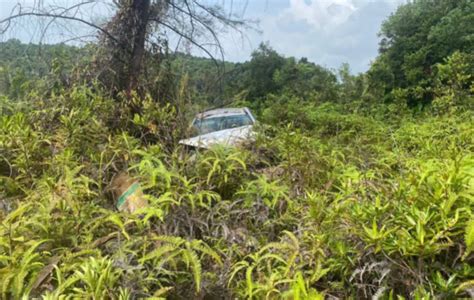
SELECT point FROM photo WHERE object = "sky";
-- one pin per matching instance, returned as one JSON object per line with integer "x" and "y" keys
{"x": 327, "y": 32}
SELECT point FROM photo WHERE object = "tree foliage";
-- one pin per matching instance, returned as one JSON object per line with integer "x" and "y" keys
{"x": 417, "y": 37}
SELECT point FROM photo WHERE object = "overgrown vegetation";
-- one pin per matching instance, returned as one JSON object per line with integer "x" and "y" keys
{"x": 351, "y": 190}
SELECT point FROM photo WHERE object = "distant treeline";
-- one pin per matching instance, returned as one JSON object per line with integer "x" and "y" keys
{"x": 415, "y": 42}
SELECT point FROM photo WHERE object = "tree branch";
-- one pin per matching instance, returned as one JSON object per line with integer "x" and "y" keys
{"x": 190, "y": 39}
{"x": 59, "y": 16}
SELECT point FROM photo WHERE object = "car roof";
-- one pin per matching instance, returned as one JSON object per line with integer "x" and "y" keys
{"x": 221, "y": 112}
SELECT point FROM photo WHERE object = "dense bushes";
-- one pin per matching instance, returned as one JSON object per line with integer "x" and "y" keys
{"x": 337, "y": 204}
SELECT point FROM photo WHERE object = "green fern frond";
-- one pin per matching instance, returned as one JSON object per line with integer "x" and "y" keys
{"x": 205, "y": 249}
{"x": 469, "y": 237}
{"x": 236, "y": 269}
{"x": 192, "y": 260}
{"x": 159, "y": 252}
{"x": 174, "y": 240}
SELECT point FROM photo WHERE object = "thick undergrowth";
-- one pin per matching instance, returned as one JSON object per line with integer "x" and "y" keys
{"x": 338, "y": 201}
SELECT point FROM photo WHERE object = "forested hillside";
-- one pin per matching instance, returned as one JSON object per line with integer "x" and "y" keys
{"x": 356, "y": 186}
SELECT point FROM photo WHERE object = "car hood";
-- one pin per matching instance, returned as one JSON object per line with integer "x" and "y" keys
{"x": 231, "y": 137}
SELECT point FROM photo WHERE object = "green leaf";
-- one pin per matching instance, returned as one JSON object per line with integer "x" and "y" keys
{"x": 469, "y": 237}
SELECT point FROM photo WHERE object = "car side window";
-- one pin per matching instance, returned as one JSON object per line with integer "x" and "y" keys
{"x": 204, "y": 126}
{"x": 236, "y": 121}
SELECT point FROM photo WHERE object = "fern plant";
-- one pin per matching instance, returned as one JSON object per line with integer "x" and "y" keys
{"x": 174, "y": 250}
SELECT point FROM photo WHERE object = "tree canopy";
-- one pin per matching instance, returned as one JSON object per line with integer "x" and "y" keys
{"x": 417, "y": 37}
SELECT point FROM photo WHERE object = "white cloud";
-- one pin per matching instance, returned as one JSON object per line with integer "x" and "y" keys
{"x": 328, "y": 32}
{"x": 326, "y": 14}
{"x": 321, "y": 14}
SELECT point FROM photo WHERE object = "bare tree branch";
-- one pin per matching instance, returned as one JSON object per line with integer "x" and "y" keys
{"x": 209, "y": 29}
{"x": 190, "y": 39}
{"x": 64, "y": 11}
{"x": 52, "y": 15}
{"x": 132, "y": 28}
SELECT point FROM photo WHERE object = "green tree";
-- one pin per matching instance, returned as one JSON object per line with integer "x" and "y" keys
{"x": 261, "y": 69}
{"x": 454, "y": 83}
{"x": 351, "y": 86}
{"x": 415, "y": 38}
{"x": 307, "y": 80}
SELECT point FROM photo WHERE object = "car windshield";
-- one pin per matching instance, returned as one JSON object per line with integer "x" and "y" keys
{"x": 212, "y": 124}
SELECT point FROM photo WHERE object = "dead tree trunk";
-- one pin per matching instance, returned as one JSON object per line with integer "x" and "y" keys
{"x": 137, "y": 24}
{"x": 122, "y": 59}
{"x": 140, "y": 13}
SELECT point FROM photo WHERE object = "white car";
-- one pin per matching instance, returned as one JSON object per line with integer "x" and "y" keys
{"x": 225, "y": 126}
